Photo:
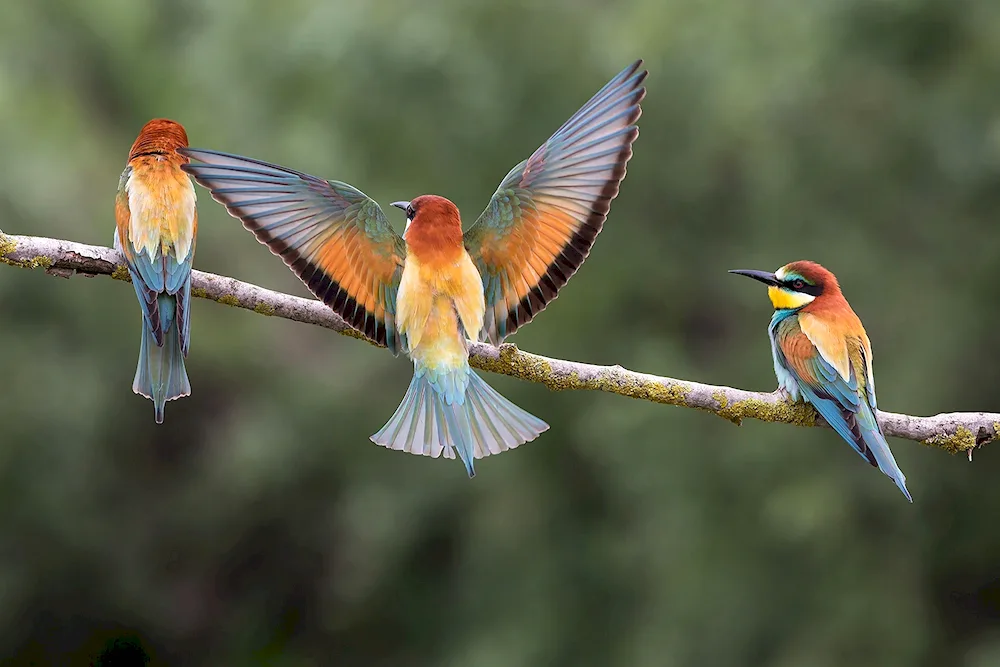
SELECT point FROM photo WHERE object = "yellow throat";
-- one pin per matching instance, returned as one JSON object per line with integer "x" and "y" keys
{"x": 782, "y": 298}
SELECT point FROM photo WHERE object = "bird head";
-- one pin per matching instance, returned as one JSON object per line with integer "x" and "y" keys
{"x": 159, "y": 136}
{"x": 795, "y": 285}
{"x": 431, "y": 219}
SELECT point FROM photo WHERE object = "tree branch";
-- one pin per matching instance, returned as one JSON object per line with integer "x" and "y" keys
{"x": 954, "y": 432}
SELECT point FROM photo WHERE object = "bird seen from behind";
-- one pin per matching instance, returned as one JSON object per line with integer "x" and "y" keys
{"x": 427, "y": 291}
{"x": 156, "y": 226}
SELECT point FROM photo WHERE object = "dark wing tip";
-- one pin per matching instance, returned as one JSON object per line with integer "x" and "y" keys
{"x": 204, "y": 156}
{"x": 576, "y": 251}
{"x": 630, "y": 84}
{"x": 324, "y": 287}
{"x": 329, "y": 291}
{"x": 637, "y": 78}
{"x": 632, "y": 69}
{"x": 857, "y": 440}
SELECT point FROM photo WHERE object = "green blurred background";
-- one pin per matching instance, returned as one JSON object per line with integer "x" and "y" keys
{"x": 259, "y": 525}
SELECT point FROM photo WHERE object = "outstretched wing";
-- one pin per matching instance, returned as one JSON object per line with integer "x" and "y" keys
{"x": 334, "y": 237}
{"x": 543, "y": 219}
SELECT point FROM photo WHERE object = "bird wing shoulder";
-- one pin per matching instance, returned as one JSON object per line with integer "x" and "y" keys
{"x": 831, "y": 344}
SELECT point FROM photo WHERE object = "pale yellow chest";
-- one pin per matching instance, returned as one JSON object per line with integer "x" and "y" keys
{"x": 431, "y": 303}
{"x": 161, "y": 202}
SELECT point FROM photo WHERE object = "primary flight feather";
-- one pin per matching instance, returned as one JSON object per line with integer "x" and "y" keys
{"x": 427, "y": 291}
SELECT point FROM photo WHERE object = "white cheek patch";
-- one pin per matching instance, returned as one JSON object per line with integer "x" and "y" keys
{"x": 801, "y": 297}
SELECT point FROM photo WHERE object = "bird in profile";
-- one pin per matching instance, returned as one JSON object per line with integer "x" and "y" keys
{"x": 157, "y": 222}
{"x": 822, "y": 354}
{"x": 427, "y": 291}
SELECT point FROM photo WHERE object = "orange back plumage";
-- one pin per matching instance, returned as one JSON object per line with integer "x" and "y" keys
{"x": 160, "y": 136}
{"x": 156, "y": 200}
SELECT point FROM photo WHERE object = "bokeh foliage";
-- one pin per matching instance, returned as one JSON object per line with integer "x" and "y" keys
{"x": 259, "y": 526}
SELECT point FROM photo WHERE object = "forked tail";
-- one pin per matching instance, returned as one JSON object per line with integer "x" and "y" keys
{"x": 160, "y": 374}
{"x": 434, "y": 419}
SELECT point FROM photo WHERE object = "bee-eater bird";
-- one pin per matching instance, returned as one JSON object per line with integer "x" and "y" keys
{"x": 427, "y": 291}
{"x": 157, "y": 223}
{"x": 822, "y": 354}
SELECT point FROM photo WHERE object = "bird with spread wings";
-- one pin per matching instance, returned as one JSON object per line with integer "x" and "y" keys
{"x": 427, "y": 291}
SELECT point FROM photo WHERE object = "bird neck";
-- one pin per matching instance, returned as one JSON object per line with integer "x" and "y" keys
{"x": 156, "y": 163}
{"x": 782, "y": 314}
{"x": 433, "y": 242}
{"x": 160, "y": 142}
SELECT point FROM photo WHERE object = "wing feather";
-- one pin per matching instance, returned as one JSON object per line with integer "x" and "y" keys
{"x": 331, "y": 235}
{"x": 542, "y": 221}
{"x": 840, "y": 401}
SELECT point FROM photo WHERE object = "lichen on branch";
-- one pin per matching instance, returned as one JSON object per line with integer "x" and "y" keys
{"x": 954, "y": 432}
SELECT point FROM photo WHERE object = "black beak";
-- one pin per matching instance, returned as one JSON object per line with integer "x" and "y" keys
{"x": 400, "y": 204}
{"x": 765, "y": 277}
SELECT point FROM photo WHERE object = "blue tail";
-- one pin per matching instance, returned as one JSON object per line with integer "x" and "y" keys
{"x": 160, "y": 374}
{"x": 861, "y": 430}
{"x": 445, "y": 413}
{"x": 884, "y": 459}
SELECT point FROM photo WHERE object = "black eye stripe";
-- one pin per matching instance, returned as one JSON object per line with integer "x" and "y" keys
{"x": 799, "y": 285}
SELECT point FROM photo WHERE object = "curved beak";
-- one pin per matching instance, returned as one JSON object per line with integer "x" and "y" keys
{"x": 400, "y": 204}
{"x": 765, "y": 277}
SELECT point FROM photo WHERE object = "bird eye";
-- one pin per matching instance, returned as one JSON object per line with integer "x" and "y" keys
{"x": 798, "y": 283}
{"x": 410, "y": 213}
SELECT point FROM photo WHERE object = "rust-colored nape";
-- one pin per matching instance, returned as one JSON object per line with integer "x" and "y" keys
{"x": 160, "y": 135}
{"x": 436, "y": 227}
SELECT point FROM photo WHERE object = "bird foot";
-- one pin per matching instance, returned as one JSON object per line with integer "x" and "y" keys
{"x": 784, "y": 395}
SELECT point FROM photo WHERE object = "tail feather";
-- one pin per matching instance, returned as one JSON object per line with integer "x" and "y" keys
{"x": 160, "y": 374}
{"x": 861, "y": 430}
{"x": 480, "y": 423}
{"x": 500, "y": 425}
{"x": 885, "y": 461}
